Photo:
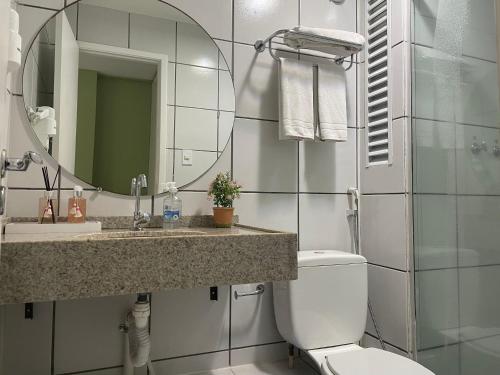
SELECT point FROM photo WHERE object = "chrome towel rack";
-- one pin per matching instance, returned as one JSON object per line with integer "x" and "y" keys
{"x": 260, "y": 45}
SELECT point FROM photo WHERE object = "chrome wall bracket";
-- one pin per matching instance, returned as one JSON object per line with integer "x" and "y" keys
{"x": 18, "y": 164}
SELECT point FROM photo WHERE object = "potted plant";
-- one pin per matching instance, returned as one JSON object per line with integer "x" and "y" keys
{"x": 223, "y": 191}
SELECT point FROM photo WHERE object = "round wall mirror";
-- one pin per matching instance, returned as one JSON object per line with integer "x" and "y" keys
{"x": 116, "y": 88}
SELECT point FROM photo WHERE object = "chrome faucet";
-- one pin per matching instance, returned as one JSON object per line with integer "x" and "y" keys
{"x": 140, "y": 218}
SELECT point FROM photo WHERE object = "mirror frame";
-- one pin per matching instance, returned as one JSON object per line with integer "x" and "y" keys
{"x": 45, "y": 154}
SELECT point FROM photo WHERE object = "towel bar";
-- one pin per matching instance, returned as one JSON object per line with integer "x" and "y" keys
{"x": 259, "y": 290}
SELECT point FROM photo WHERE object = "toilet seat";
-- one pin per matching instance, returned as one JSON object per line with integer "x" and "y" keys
{"x": 373, "y": 361}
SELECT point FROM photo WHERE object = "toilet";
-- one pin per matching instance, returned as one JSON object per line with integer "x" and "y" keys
{"x": 323, "y": 313}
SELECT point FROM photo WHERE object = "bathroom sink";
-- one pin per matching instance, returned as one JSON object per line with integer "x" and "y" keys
{"x": 56, "y": 267}
{"x": 143, "y": 234}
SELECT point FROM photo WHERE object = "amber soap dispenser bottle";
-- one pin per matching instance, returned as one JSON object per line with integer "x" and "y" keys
{"x": 77, "y": 206}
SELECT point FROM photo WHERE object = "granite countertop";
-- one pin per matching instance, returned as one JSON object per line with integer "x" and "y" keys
{"x": 48, "y": 267}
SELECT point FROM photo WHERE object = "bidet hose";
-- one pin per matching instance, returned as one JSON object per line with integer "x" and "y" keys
{"x": 353, "y": 216}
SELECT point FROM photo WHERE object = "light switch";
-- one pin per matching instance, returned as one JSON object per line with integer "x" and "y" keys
{"x": 187, "y": 157}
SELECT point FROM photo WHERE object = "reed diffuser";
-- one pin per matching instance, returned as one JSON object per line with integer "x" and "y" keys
{"x": 48, "y": 205}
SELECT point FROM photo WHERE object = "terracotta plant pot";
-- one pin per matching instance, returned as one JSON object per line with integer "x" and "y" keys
{"x": 223, "y": 217}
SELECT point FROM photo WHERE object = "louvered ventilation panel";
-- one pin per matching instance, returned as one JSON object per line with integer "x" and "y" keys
{"x": 379, "y": 125}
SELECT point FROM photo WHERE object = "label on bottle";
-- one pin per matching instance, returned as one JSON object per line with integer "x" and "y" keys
{"x": 171, "y": 215}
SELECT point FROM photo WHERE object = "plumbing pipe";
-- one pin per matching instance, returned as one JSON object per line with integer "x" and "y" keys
{"x": 137, "y": 342}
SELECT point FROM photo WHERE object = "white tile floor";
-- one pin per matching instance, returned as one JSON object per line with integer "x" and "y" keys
{"x": 267, "y": 368}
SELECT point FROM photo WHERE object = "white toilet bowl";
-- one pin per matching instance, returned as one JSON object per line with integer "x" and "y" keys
{"x": 323, "y": 313}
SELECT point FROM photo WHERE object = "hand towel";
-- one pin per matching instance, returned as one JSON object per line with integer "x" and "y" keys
{"x": 296, "y": 100}
{"x": 332, "y": 103}
{"x": 295, "y": 40}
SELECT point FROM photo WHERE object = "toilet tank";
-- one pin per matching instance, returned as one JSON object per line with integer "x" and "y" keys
{"x": 326, "y": 306}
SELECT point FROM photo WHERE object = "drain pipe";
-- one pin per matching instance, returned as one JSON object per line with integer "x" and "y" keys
{"x": 353, "y": 217}
{"x": 137, "y": 341}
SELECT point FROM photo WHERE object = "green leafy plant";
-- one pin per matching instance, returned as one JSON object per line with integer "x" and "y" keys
{"x": 223, "y": 190}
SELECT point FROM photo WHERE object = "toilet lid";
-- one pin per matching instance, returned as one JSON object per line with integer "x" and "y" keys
{"x": 373, "y": 362}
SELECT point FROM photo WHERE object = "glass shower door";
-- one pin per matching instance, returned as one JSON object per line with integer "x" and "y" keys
{"x": 456, "y": 185}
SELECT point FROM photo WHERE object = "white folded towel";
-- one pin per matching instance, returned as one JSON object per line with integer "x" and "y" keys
{"x": 332, "y": 103}
{"x": 295, "y": 40}
{"x": 296, "y": 102}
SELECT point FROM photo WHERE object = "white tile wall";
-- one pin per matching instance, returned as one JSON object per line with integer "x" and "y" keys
{"x": 328, "y": 15}
{"x": 384, "y": 230}
{"x": 371, "y": 342}
{"x": 222, "y": 164}
{"x": 313, "y": 156}
{"x": 259, "y": 354}
{"x": 30, "y": 21}
{"x": 205, "y": 81}
{"x": 214, "y": 16}
{"x": 87, "y": 335}
{"x": 255, "y": 20}
{"x": 262, "y": 162}
{"x": 388, "y": 292}
{"x": 256, "y": 85}
{"x": 274, "y": 211}
{"x": 252, "y": 319}
{"x": 22, "y": 139}
{"x": 226, "y": 56}
{"x": 226, "y": 123}
{"x": 193, "y": 43}
{"x": 184, "y": 174}
{"x": 198, "y": 130}
{"x": 226, "y": 92}
{"x": 323, "y": 222}
{"x": 103, "y": 25}
{"x": 400, "y": 24}
{"x": 185, "y": 322}
{"x": 153, "y": 35}
{"x": 26, "y": 343}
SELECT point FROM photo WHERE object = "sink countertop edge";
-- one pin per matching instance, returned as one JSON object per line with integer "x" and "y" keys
{"x": 36, "y": 271}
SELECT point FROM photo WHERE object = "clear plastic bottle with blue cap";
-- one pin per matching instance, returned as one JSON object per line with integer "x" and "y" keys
{"x": 172, "y": 207}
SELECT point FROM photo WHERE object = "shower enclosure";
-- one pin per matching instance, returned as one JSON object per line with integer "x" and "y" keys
{"x": 456, "y": 185}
